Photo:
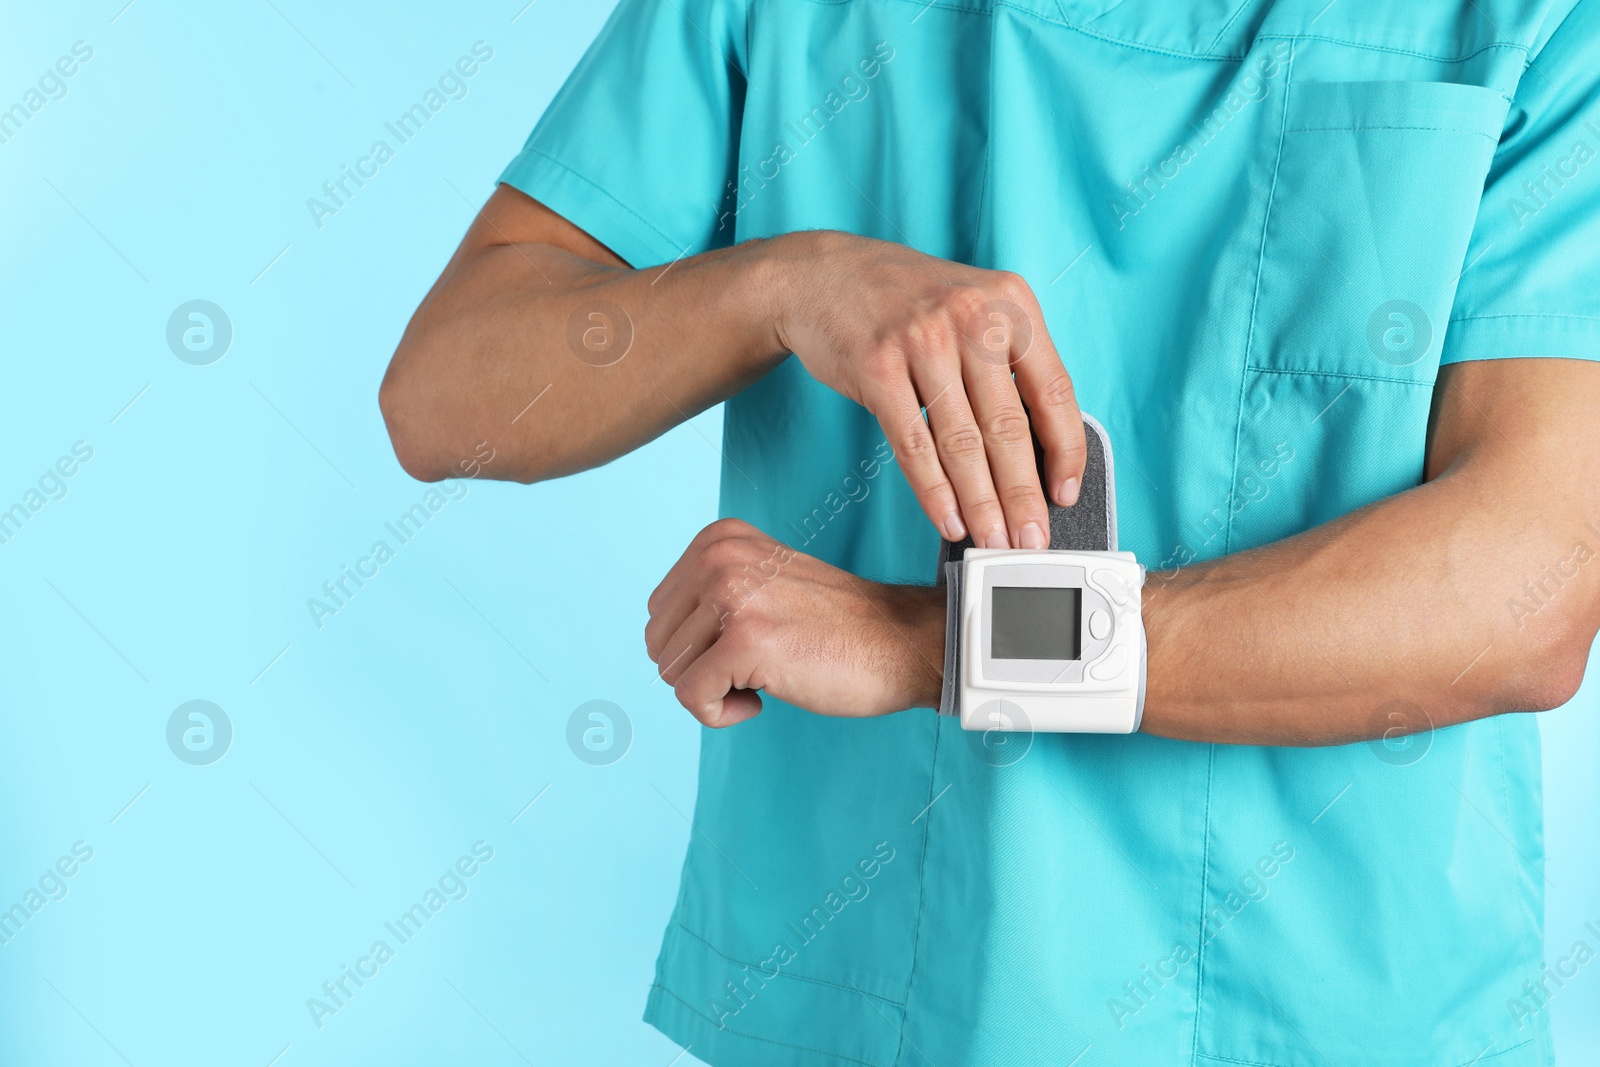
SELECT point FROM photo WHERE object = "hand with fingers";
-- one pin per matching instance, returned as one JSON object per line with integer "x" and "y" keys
{"x": 900, "y": 332}
{"x": 740, "y": 612}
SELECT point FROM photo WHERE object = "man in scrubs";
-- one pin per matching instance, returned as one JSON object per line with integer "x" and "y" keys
{"x": 1329, "y": 274}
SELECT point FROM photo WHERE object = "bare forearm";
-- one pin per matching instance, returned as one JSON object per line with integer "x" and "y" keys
{"x": 561, "y": 364}
{"x": 1395, "y": 614}
{"x": 538, "y": 354}
{"x": 1467, "y": 596}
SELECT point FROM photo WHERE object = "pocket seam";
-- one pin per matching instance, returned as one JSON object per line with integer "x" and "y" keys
{"x": 1361, "y": 129}
{"x": 1205, "y": 887}
{"x": 1250, "y": 336}
{"x": 1453, "y": 109}
{"x": 922, "y": 890}
{"x": 1302, "y": 372}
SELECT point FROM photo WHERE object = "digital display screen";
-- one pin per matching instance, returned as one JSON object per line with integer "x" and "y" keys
{"x": 1029, "y": 622}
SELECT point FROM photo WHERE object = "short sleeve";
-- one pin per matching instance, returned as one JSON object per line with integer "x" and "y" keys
{"x": 1532, "y": 281}
{"x": 640, "y": 146}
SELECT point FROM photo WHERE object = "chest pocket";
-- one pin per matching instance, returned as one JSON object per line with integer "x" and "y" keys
{"x": 1371, "y": 205}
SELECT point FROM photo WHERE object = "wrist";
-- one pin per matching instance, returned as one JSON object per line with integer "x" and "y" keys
{"x": 916, "y": 632}
{"x": 1170, "y": 625}
{"x": 776, "y": 269}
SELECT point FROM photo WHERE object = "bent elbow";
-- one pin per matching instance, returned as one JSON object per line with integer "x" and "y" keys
{"x": 1559, "y": 682}
{"x": 432, "y": 443}
{"x": 1551, "y": 675}
{"x": 411, "y": 444}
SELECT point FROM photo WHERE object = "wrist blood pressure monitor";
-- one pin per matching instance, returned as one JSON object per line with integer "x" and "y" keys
{"x": 1049, "y": 640}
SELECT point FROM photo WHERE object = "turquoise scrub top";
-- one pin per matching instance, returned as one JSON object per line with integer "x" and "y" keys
{"x": 1257, "y": 230}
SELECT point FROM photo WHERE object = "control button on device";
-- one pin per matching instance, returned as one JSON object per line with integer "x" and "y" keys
{"x": 1111, "y": 665}
{"x": 1113, "y": 584}
{"x": 1099, "y": 625}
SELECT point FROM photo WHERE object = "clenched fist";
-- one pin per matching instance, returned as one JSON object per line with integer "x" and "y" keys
{"x": 741, "y": 612}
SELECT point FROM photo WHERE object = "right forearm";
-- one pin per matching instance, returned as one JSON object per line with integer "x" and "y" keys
{"x": 538, "y": 348}
{"x": 560, "y": 364}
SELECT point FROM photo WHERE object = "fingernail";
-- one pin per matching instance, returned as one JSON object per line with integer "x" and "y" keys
{"x": 733, "y": 716}
{"x": 1067, "y": 495}
{"x": 1033, "y": 536}
{"x": 996, "y": 539}
{"x": 953, "y": 530}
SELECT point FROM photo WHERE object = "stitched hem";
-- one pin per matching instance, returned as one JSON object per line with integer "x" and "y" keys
{"x": 652, "y": 1016}
{"x": 552, "y": 182}
{"x": 1482, "y": 318}
{"x": 1475, "y": 53}
{"x": 700, "y": 997}
{"x": 1513, "y": 335}
{"x": 1266, "y": 1063}
{"x": 1207, "y": 55}
{"x": 785, "y": 974}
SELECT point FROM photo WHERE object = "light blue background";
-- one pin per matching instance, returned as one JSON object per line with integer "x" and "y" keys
{"x": 370, "y": 753}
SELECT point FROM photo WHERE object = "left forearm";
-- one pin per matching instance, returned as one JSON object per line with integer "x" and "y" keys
{"x": 1400, "y": 612}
